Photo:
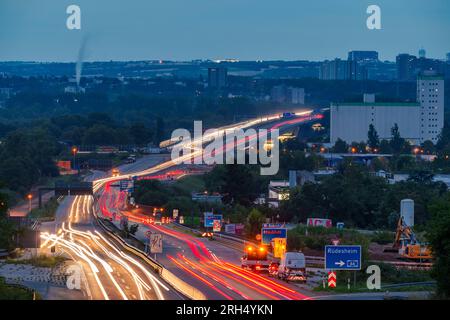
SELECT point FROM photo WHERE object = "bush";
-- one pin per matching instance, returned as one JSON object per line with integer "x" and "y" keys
{"x": 317, "y": 238}
{"x": 383, "y": 237}
{"x": 8, "y": 292}
{"x": 48, "y": 210}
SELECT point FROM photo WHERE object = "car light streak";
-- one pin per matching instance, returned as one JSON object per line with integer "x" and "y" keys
{"x": 209, "y": 284}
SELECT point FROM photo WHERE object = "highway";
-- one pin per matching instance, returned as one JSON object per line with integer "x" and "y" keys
{"x": 207, "y": 265}
{"x": 210, "y": 266}
{"x": 109, "y": 273}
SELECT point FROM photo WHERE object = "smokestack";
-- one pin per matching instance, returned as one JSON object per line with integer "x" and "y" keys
{"x": 79, "y": 65}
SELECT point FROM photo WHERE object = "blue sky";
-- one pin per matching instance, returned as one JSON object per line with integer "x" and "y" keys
{"x": 218, "y": 29}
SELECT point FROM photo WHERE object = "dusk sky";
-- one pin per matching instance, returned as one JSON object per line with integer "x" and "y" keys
{"x": 218, "y": 29}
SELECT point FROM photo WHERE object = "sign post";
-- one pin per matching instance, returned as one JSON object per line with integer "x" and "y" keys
{"x": 343, "y": 257}
{"x": 156, "y": 245}
{"x": 331, "y": 279}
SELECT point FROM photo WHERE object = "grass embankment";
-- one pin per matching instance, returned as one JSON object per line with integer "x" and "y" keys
{"x": 191, "y": 183}
{"x": 48, "y": 210}
{"x": 11, "y": 292}
{"x": 389, "y": 276}
{"x": 316, "y": 238}
{"x": 41, "y": 261}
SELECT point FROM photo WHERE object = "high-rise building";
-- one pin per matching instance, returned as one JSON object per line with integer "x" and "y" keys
{"x": 342, "y": 70}
{"x": 363, "y": 56}
{"x": 422, "y": 53}
{"x": 448, "y": 57}
{"x": 405, "y": 66}
{"x": 217, "y": 77}
{"x": 278, "y": 94}
{"x": 430, "y": 95}
{"x": 296, "y": 95}
{"x": 291, "y": 95}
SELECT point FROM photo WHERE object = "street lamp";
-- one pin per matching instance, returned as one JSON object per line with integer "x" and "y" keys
{"x": 29, "y": 197}
{"x": 74, "y": 152}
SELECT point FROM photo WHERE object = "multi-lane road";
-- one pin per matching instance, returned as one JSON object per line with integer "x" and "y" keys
{"x": 209, "y": 266}
{"x": 109, "y": 272}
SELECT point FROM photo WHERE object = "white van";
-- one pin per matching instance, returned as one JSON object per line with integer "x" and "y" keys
{"x": 292, "y": 267}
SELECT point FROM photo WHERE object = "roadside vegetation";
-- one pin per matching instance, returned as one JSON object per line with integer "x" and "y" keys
{"x": 390, "y": 276}
{"x": 48, "y": 210}
{"x": 41, "y": 261}
{"x": 10, "y": 292}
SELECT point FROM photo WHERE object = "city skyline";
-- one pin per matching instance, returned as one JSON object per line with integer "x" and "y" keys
{"x": 180, "y": 31}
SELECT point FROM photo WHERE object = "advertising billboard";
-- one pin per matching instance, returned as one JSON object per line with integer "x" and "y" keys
{"x": 319, "y": 222}
{"x": 230, "y": 228}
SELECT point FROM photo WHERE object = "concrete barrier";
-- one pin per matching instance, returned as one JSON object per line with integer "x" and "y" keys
{"x": 181, "y": 286}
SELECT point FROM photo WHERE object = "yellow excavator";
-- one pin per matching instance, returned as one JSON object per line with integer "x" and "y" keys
{"x": 407, "y": 244}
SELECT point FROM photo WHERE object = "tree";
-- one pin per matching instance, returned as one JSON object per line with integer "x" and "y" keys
{"x": 385, "y": 147}
{"x": 160, "y": 130}
{"x": 397, "y": 142}
{"x": 128, "y": 229}
{"x": 373, "y": 140}
{"x": 428, "y": 147}
{"x": 140, "y": 133}
{"x": 438, "y": 234}
{"x": 421, "y": 176}
{"x": 340, "y": 146}
{"x": 255, "y": 220}
{"x": 237, "y": 183}
{"x": 444, "y": 138}
{"x": 6, "y": 227}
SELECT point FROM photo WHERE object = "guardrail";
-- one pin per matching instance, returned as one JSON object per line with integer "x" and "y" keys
{"x": 410, "y": 284}
{"x": 179, "y": 285}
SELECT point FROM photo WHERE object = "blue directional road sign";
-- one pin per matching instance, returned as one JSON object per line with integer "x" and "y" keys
{"x": 268, "y": 234}
{"x": 343, "y": 257}
{"x": 209, "y": 219}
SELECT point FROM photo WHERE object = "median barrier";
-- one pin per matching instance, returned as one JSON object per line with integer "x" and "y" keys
{"x": 184, "y": 288}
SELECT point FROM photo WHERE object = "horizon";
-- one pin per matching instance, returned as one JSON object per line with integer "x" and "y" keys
{"x": 218, "y": 61}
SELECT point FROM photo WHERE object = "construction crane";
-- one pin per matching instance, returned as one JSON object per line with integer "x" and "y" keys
{"x": 408, "y": 245}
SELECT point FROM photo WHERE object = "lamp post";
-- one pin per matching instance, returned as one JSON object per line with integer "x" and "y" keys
{"x": 74, "y": 153}
{"x": 29, "y": 197}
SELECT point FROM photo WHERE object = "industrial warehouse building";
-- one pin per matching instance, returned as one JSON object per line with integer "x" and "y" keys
{"x": 418, "y": 121}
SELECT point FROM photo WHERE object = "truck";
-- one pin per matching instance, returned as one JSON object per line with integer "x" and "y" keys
{"x": 292, "y": 267}
{"x": 287, "y": 115}
{"x": 255, "y": 259}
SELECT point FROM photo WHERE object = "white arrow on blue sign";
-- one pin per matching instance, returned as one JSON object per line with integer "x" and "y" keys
{"x": 343, "y": 257}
